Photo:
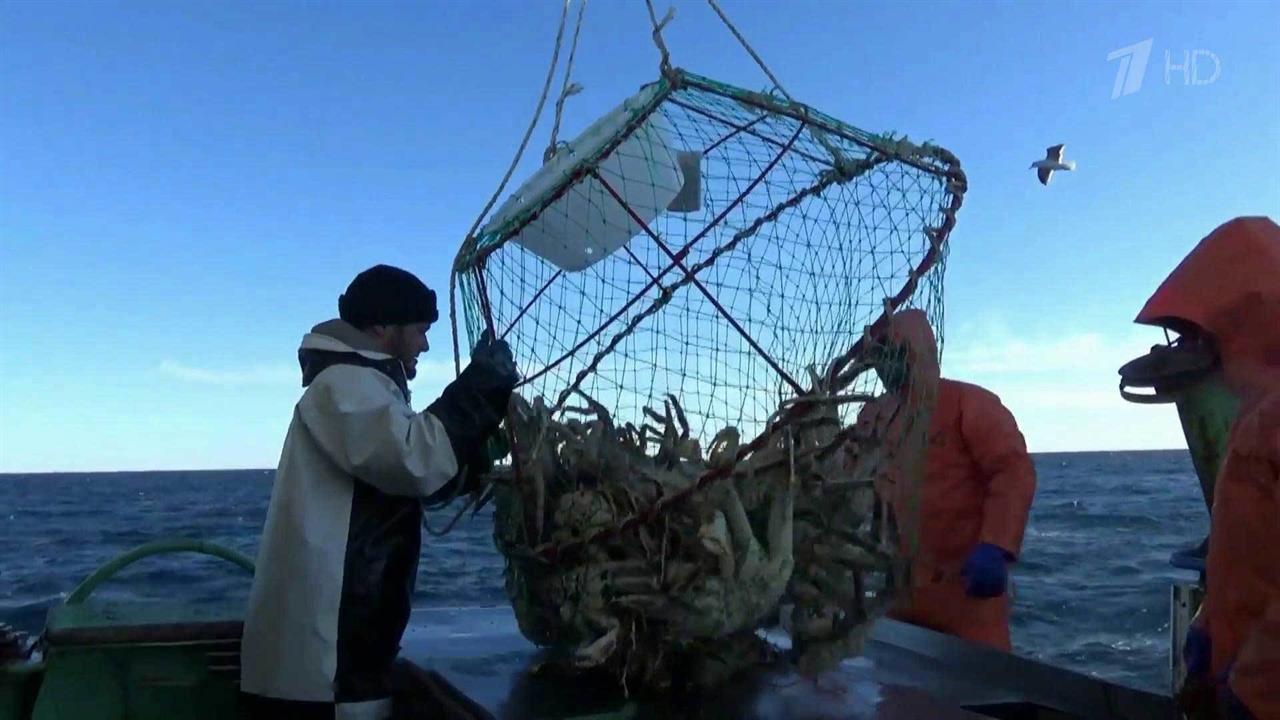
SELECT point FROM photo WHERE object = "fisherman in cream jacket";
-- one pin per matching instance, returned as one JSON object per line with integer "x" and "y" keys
{"x": 339, "y": 554}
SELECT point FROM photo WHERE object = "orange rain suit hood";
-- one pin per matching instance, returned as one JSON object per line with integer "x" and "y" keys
{"x": 1229, "y": 287}
{"x": 978, "y": 486}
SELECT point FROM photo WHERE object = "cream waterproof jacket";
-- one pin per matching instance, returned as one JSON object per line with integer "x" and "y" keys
{"x": 339, "y": 552}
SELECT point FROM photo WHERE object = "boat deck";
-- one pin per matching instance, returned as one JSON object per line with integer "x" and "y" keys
{"x": 906, "y": 673}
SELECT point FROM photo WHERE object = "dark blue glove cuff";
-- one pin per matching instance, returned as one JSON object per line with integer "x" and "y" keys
{"x": 986, "y": 571}
{"x": 1197, "y": 650}
{"x": 1232, "y": 707}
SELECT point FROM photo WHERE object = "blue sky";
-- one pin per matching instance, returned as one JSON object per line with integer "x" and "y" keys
{"x": 185, "y": 188}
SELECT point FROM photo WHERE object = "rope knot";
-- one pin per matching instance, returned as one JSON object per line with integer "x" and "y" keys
{"x": 672, "y": 75}
{"x": 664, "y": 63}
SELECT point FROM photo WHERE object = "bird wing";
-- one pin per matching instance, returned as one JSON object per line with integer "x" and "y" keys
{"x": 1044, "y": 174}
{"x": 1054, "y": 153}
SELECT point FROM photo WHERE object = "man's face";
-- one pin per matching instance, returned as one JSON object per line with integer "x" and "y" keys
{"x": 892, "y": 368}
{"x": 405, "y": 343}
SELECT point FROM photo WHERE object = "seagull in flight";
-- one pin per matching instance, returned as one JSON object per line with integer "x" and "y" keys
{"x": 1052, "y": 161}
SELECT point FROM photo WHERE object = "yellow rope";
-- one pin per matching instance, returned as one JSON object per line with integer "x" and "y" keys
{"x": 665, "y": 61}
{"x": 467, "y": 243}
{"x": 567, "y": 89}
{"x": 836, "y": 155}
{"x": 747, "y": 46}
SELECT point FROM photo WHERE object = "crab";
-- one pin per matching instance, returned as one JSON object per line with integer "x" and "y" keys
{"x": 675, "y": 447}
{"x": 791, "y": 521}
{"x": 851, "y": 559}
{"x": 749, "y": 580}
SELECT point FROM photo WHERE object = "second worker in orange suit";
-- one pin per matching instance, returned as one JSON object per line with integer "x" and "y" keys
{"x": 976, "y": 494}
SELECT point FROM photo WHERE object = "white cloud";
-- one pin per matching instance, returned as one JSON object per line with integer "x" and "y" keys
{"x": 431, "y": 379}
{"x": 1064, "y": 389}
{"x": 1120, "y": 427}
{"x": 1048, "y": 398}
{"x": 1081, "y": 352}
{"x": 255, "y": 375}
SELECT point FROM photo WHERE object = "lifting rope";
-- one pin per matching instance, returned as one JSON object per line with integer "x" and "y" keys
{"x": 537, "y": 113}
{"x": 568, "y": 88}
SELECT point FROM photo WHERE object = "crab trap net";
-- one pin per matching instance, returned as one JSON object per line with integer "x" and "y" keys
{"x": 688, "y": 289}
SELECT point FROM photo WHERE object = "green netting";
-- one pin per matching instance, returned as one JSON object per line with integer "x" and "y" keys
{"x": 806, "y": 227}
{"x": 708, "y": 256}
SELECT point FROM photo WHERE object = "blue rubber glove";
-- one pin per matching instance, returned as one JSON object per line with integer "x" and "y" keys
{"x": 986, "y": 572}
{"x": 1197, "y": 649}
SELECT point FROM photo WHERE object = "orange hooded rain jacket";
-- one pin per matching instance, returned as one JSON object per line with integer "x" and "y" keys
{"x": 1229, "y": 286}
{"x": 978, "y": 486}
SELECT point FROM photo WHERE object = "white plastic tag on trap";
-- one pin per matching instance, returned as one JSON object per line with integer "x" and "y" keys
{"x": 689, "y": 199}
{"x": 586, "y": 224}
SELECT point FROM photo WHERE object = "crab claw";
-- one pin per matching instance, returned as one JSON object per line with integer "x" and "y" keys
{"x": 717, "y": 538}
{"x": 650, "y": 605}
{"x": 745, "y": 547}
{"x": 597, "y": 651}
{"x": 633, "y": 585}
{"x": 680, "y": 573}
{"x": 780, "y": 533}
{"x": 724, "y": 448}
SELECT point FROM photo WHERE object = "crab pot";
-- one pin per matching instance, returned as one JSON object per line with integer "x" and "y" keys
{"x": 693, "y": 263}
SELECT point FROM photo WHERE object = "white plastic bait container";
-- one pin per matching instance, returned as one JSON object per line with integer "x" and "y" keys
{"x": 586, "y": 224}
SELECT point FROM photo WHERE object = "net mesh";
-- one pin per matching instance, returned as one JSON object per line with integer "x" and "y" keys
{"x": 707, "y": 258}
{"x": 805, "y": 228}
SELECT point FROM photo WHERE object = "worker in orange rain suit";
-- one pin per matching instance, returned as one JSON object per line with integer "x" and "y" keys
{"x": 977, "y": 489}
{"x": 1228, "y": 291}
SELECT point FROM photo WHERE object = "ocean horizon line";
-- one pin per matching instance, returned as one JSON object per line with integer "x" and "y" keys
{"x": 172, "y": 471}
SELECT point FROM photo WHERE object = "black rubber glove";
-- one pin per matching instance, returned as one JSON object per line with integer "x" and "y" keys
{"x": 495, "y": 356}
{"x": 472, "y": 407}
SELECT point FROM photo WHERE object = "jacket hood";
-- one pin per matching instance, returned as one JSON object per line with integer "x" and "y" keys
{"x": 1229, "y": 288}
{"x": 339, "y": 342}
{"x": 341, "y": 336}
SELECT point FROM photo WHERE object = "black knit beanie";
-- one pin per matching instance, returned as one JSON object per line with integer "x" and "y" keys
{"x": 386, "y": 295}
